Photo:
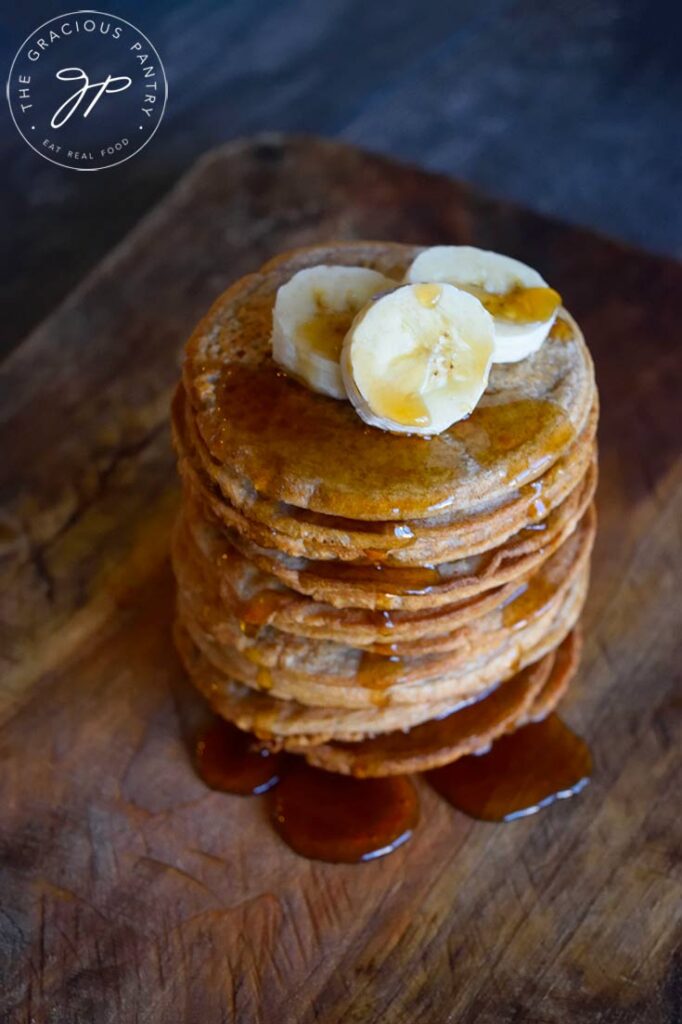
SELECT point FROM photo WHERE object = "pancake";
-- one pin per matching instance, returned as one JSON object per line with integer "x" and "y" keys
{"x": 257, "y": 599}
{"x": 268, "y": 646}
{"x": 313, "y": 452}
{"x": 331, "y": 675}
{"x": 280, "y": 720}
{"x": 298, "y": 532}
{"x": 528, "y": 696}
{"x": 565, "y": 666}
{"x": 382, "y": 588}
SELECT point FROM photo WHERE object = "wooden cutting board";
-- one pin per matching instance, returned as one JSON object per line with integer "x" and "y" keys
{"x": 130, "y": 892}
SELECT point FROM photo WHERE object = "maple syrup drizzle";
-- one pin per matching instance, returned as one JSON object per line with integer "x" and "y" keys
{"x": 528, "y": 601}
{"x": 384, "y": 621}
{"x": 561, "y": 330}
{"x": 519, "y": 305}
{"x": 337, "y": 818}
{"x": 263, "y": 674}
{"x": 523, "y": 772}
{"x": 264, "y": 678}
{"x": 428, "y": 295}
{"x": 497, "y": 433}
{"x": 231, "y": 760}
{"x": 402, "y": 533}
{"x": 407, "y": 408}
{"x": 256, "y": 611}
{"x": 324, "y": 332}
{"x": 537, "y": 508}
{"x": 378, "y": 671}
{"x": 391, "y": 579}
{"x": 389, "y": 650}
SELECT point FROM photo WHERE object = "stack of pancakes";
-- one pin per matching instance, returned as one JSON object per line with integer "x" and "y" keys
{"x": 378, "y": 603}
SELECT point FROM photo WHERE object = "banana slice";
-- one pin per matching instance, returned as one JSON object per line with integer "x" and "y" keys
{"x": 312, "y": 314}
{"x": 523, "y": 306}
{"x": 417, "y": 360}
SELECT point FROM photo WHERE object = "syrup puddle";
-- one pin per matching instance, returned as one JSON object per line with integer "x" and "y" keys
{"x": 233, "y": 761}
{"x": 337, "y": 818}
{"x": 521, "y": 773}
{"x": 341, "y": 819}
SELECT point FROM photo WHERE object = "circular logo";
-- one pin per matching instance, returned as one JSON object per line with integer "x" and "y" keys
{"x": 87, "y": 90}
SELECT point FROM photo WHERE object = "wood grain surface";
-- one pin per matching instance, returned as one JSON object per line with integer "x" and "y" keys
{"x": 131, "y": 893}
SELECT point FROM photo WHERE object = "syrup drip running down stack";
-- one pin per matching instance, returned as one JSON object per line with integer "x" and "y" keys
{"x": 380, "y": 605}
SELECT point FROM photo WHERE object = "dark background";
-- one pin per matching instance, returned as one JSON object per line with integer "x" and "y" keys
{"x": 572, "y": 108}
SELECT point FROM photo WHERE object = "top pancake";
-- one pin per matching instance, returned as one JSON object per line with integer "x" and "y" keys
{"x": 301, "y": 533}
{"x": 314, "y": 452}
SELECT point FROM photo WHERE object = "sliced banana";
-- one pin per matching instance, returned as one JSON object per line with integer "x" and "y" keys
{"x": 417, "y": 360}
{"x": 312, "y": 314}
{"x": 519, "y": 299}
